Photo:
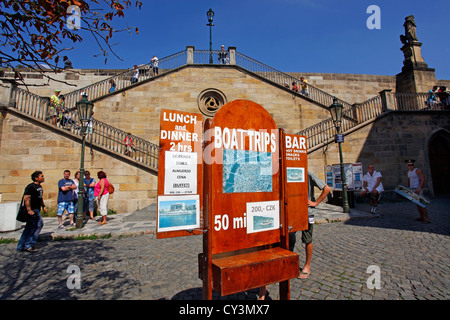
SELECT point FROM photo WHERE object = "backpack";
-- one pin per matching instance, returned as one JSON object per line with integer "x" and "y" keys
{"x": 110, "y": 188}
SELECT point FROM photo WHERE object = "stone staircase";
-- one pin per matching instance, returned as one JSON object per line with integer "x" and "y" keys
{"x": 109, "y": 139}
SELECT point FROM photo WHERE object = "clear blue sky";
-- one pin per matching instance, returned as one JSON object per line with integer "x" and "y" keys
{"x": 290, "y": 35}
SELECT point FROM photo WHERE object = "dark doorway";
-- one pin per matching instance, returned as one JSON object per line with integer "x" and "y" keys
{"x": 439, "y": 153}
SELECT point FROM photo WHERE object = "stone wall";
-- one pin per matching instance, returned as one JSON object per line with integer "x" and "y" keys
{"x": 138, "y": 109}
{"x": 352, "y": 88}
{"x": 387, "y": 143}
{"x": 26, "y": 147}
{"x": 66, "y": 80}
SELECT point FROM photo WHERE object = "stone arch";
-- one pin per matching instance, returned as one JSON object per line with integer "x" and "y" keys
{"x": 439, "y": 159}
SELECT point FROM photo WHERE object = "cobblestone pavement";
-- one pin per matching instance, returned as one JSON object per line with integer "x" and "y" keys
{"x": 413, "y": 260}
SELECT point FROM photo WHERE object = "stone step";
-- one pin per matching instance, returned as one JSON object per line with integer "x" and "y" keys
{"x": 146, "y": 214}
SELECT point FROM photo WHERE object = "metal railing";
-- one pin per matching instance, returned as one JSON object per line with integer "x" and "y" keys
{"x": 418, "y": 101}
{"x": 98, "y": 132}
{"x": 123, "y": 79}
{"x": 285, "y": 80}
{"x": 324, "y": 131}
{"x": 147, "y": 153}
{"x": 205, "y": 56}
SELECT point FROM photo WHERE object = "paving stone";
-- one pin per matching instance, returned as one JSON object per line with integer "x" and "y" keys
{"x": 412, "y": 257}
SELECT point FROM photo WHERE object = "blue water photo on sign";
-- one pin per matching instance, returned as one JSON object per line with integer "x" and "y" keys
{"x": 178, "y": 213}
{"x": 247, "y": 171}
{"x": 262, "y": 223}
{"x": 295, "y": 174}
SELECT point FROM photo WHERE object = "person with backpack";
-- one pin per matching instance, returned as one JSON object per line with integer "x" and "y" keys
{"x": 101, "y": 192}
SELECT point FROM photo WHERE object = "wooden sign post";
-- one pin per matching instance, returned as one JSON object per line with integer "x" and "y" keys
{"x": 245, "y": 189}
{"x": 180, "y": 174}
{"x": 244, "y": 203}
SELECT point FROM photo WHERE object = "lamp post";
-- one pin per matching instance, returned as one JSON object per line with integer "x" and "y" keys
{"x": 85, "y": 109}
{"x": 210, "y": 15}
{"x": 336, "y": 115}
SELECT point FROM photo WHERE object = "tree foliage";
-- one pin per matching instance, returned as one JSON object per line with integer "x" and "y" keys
{"x": 33, "y": 32}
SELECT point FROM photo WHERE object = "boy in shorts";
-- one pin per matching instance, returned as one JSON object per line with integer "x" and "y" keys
{"x": 65, "y": 198}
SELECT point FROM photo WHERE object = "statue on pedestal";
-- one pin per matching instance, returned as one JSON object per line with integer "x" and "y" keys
{"x": 415, "y": 75}
{"x": 410, "y": 31}
{"x": 411, "y": 45}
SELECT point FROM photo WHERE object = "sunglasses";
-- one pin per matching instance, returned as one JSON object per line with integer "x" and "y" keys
{"x": 410, "y": 165}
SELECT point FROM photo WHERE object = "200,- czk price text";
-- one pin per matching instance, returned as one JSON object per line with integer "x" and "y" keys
{"x": 222, "y": 222}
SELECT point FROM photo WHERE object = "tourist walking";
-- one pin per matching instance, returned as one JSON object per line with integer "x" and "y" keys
{"x": 135, "y": 77}
{"x": 304, "y": 85}
{"x": 112, "y": 86}
{"x": 34, "y": 201}
{"x": 128, "y": 141}
{"x": 54, "y": 106}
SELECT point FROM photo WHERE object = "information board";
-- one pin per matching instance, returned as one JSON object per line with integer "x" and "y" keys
{"x": 180, "y": 174}
{"x": 353, "y": 176}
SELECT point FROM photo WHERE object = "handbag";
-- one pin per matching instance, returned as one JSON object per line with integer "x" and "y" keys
{"x": 22, "y": 215}
{"x": 110, "y": 188}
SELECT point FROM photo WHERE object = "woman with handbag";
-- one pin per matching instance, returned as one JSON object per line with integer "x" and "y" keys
{"x": 102, "y": 194}
{"x": 33, "y": 201}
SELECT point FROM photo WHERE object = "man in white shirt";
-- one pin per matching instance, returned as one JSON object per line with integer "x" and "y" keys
{"x": 372, "y": 186}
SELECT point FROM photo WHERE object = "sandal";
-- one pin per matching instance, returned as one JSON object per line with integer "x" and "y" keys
{"x": 303, "y": 275}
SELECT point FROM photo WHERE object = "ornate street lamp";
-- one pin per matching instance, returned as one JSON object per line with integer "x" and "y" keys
{"x": 85, "y": 109}
{"x": 210, "y": 15}
{"x": 336, "y": 114}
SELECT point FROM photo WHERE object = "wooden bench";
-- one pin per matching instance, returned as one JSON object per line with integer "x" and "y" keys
{"x": 241, "y": 272}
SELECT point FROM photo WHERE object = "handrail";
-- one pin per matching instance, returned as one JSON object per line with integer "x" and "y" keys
{"x": 417, "y": 101}
{"x": 109, "y": 137}
{"x": 205, "y": 56}
{"x": 324, "y": 131}
{"x": 123, "y": 79}
{"x": 284, "y": 79}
